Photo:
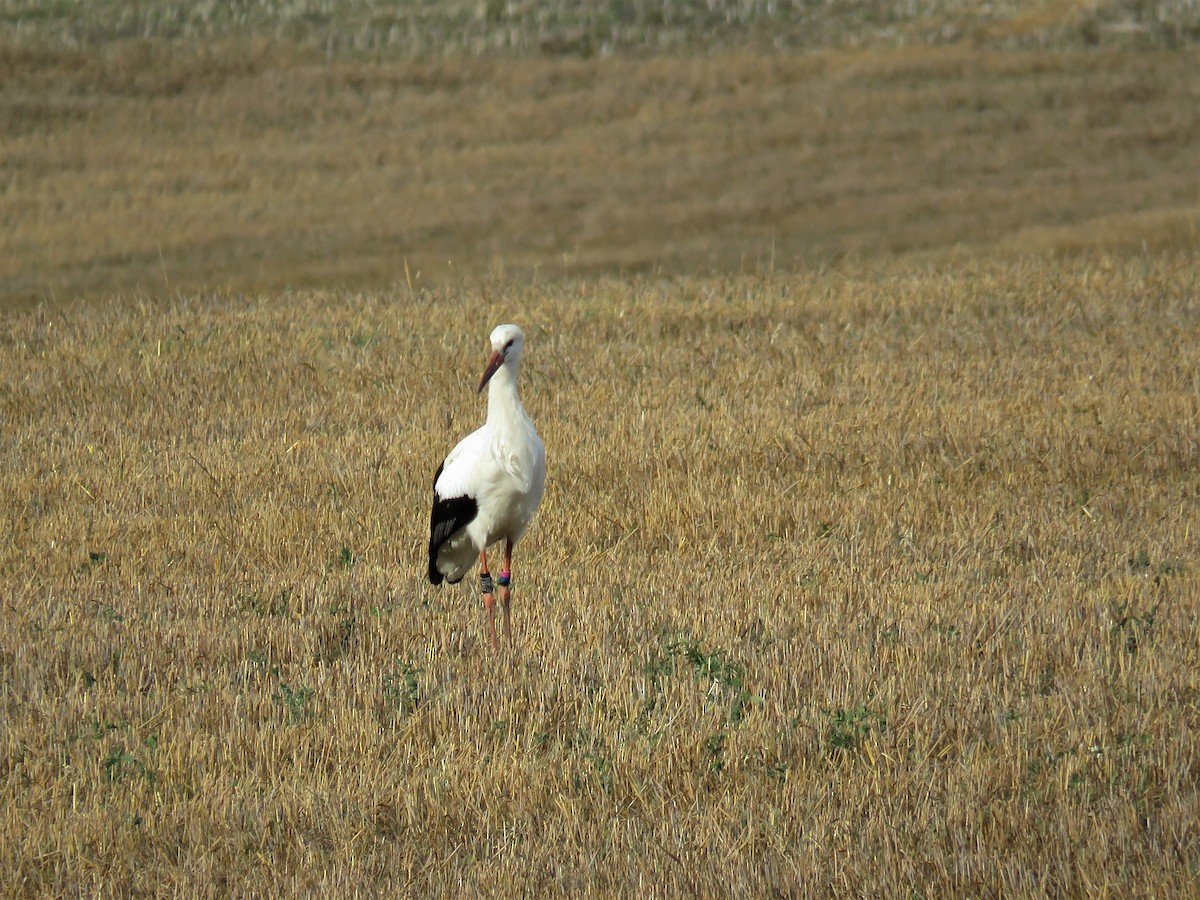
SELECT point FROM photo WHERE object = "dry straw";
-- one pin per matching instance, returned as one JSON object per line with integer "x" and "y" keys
{"x": 843, "y": 584}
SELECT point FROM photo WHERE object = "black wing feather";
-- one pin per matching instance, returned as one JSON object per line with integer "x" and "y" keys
{"x": 449, "y": 515}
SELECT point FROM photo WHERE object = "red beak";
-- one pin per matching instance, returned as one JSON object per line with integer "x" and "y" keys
{"x": 494, "y": 363}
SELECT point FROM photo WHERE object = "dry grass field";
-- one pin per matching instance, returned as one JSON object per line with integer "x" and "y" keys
{"x": 843, "y": 584}
{"x": 174, "y": 167}
{"x": 865, "y": 345}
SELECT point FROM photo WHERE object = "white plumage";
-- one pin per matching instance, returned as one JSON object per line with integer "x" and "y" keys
{"x": 489, "y": 486}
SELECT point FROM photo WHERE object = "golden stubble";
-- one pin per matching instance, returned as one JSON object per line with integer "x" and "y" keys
{"x": 843, "y": 582}
{"x": 191, "y": 166}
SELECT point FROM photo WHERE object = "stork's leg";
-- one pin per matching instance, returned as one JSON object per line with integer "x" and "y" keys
{"x": 489, "y": 598}
{"x": 505, "y": 594}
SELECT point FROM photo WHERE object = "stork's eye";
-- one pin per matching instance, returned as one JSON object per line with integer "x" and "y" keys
{"x": 509, "y": 344}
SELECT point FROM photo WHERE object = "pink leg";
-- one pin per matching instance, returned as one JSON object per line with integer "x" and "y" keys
{"x": 489, "y": 598}
{"x": 505, "y": 594}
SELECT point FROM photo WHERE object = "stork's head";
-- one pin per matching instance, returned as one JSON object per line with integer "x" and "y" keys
{"x": 507, "y": 343}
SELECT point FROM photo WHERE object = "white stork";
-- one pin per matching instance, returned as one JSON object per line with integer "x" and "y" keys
{"x": 489, "y": 486}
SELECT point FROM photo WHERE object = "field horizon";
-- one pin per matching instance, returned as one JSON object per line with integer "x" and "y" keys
{"x": 137, "y": 161}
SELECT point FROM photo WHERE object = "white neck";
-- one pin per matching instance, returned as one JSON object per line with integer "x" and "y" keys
{"x": 504, "y": 405}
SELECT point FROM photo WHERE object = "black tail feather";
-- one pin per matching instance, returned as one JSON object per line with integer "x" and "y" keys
{"x": 448, "y": 517}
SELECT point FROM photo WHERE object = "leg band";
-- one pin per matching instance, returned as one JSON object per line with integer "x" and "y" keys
{"x": 505, "y": 578}
{"x": 486, "y": 585}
